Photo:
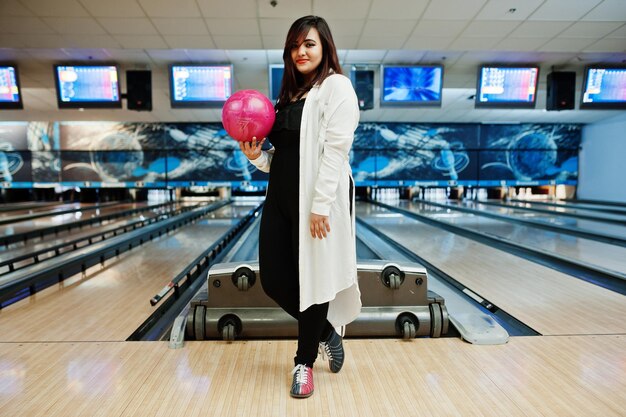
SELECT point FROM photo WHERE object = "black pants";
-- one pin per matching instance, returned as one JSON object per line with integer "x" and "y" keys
{"x": 278, "y": 263}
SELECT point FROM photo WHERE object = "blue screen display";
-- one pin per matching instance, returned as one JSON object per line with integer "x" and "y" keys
{"x": 417, "y": 85}
{"x": 200, "y": 84}
{"x": 87, "y": 84}
{"x": 604, "y": 85}
{"x": 276, "y": 80}
{"x": 9, "y": 88}
{"x": 505, "y": 85}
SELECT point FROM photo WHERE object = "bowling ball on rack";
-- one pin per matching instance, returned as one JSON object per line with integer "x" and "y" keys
{"x": 247, "y": 114}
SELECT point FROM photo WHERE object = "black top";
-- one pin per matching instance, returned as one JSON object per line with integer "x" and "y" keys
{"x": 285, "y": 137}
{"x": 289, "y": 117}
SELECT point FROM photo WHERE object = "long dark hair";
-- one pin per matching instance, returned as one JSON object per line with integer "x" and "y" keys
{"x": 293, "y": 84}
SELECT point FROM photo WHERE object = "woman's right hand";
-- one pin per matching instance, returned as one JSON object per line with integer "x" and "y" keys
{"x": 252, "y": 150}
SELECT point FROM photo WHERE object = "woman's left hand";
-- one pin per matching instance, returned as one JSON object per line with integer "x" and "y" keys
{"x": 320, "y": 226}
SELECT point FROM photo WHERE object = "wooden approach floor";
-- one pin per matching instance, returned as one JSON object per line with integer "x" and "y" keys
{"x": 529, "y": 376}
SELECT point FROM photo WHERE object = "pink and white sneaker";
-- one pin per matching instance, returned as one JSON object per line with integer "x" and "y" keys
{"x": 302, "y": 386}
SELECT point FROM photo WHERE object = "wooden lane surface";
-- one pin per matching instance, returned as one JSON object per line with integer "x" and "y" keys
{"x": 110, "y": 303}
{"x": 20, "y": 248}
{"x": 599, "y": 208}
{"x": 591, "y": 252}
{"x": 548, "y": 301}
{"x": 566, "y": 209}
{"x": 54, "y": 220}
{"x": 529, "y": 376}
{"x": 43, "y": 208}
{"x": 29, "y": 205}
{"x": 596, "y": 227}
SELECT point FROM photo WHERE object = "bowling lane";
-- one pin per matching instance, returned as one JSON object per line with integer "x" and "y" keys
{"x": 575, "y": 205}
{"x": 52, "y": 209}
{"x": 564, "y": 211}
{"x": 108, "y": 304}
{"x": 26, "y": 205}
{"x": 603, "y": 203}
{"x": 55, "y": 220}
{"x": 548, "y": 301}
{"x": 589, "y": 226}
{"x": 20, "y": 249}
{"x": 602, "y": 256}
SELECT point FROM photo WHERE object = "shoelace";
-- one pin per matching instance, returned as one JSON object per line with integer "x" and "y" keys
{"x": 302, "y": 376}
{"x": 326, "y": 353}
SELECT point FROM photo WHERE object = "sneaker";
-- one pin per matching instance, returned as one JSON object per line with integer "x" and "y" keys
{"x": 302, "y": 386}
{"x": 333, "y": 349}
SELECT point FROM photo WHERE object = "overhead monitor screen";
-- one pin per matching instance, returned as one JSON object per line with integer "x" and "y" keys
{"x": 502, "y": 87}
{"x": 92, "y": 86}
{"x": 276, "y": 79}
{"x": 604, "y": 88}
{"x": 411, "y": 85}
{"x": 200, "y": 85}
{"x": 10, "y": 93}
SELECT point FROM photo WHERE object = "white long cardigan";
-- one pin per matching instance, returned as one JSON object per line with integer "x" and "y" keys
{"x": 327, "y": 267}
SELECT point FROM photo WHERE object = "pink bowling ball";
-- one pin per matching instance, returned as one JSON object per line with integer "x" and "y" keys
{"x": 247, "y": 114}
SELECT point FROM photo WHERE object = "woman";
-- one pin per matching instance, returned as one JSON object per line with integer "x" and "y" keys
{"x": 307, "y": 249}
